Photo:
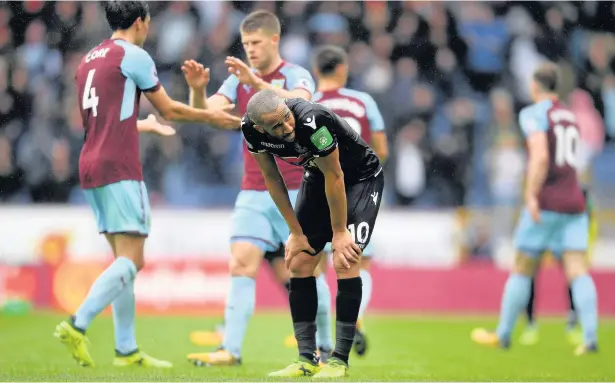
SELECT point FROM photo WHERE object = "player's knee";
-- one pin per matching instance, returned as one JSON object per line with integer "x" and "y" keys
{"x": 303, "y": 265}
{"x": 575, "y": 265}
{"x": 245, "y": 259}
{"x": 242, "y": 267}
{"x": 343, "y": 272}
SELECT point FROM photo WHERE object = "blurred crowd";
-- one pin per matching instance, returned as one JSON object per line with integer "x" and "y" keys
{"x": 449, "y": 79}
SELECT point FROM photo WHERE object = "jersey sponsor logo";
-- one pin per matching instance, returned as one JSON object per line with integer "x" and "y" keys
{"x": 274, "y": 146}
{"x": 278, "y": 83}
{"x": 322, "y": 139}
{"x": 99, "y": 53}
{"x": 310, "y": 122}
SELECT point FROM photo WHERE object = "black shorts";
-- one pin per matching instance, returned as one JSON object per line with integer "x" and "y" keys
{"x": 363, "y": 202}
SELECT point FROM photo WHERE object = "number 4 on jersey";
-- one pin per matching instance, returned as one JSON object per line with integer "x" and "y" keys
{"x": 90, "y": 100}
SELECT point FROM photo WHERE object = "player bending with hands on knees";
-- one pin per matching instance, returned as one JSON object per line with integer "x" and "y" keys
{"x": 361, "y": 112}
{"x": 258, "y": 228}
{"x": 110, "y": 80}
{"x": 338, "y": 202}
{"x": 555, "y": 216}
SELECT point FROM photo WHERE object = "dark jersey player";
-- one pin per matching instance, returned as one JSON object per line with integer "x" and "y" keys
{"x": 338, "y": 202}
{"x": 555, "y": 217}
{"x": 110, "y": 80}
{"x": 360, "y": 111}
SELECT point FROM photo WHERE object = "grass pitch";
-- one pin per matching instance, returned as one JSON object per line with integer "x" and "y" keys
{"x": 402, "y": 348}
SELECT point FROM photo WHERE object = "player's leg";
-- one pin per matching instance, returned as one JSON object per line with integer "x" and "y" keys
{"x": 303, "y": 299}
{"x": 324, "y": 334}
{"x": 530, "y": 335}
{"x": 530, "y": 239}
{"x": 574, "y": 241}
{"x": 360, "y": 338}
{"x": 362, "y": 210}
{"x": 122, "y": 212}
{"x": 251, "y": 237}
{"x": 313, "y": 215}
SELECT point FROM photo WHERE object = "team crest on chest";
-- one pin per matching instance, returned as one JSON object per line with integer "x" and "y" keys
{"x": 278, "y": 83}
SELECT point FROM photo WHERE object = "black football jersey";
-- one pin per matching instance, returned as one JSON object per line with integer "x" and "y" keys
{"x": 318, "y": 131}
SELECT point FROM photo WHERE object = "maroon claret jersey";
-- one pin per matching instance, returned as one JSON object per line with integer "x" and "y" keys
{"x": 286, "y": 76}
{"x": 561, "y": 191}
{"x": 110, "y": 79}
{"x": 358, "y": 109}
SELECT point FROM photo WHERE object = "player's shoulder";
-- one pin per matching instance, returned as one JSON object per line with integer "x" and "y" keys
{"x": 288, "y": 69}
{"x": 303, "y": 109}
{"x": 365, "y": 98}
{"x": 534, "y": 118}
{"x": 538, "y": 108}
{"x": 132, "y": 51}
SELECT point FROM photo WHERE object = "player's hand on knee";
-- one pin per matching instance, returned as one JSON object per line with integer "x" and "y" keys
{"x": 343, "y": 246}
{"x": 296, "y": 244}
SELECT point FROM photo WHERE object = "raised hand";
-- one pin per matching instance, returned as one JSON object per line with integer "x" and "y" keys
{"x": 243, "y": 72}
{"x": 195, "y": 74}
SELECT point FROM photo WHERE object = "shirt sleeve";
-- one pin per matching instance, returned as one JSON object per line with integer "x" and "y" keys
{"x": 376, "y": 122}
{"x": 318, "y": 133}
{"x": 228, "y": 88}
{"x": 252, "y": 142}
{"x": 139, "y": 66}
{"x": 299, "y": 78}
{"x": 533, "y": 119}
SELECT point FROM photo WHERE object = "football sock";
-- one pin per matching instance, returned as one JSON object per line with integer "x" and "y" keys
{"x": 529, "y": 310}
{"x": 324, "y": 337}
{"x": 586, "y": 304}
{"x": 239, "y": 309}
{"x": 105, "y": 290}
{"x": 124, "y": 321}
{"x": 516, "y": 296}
{"x": 347, "y": 311}
{"x": 303, "y": 300}
{"x": 366, "y": 295}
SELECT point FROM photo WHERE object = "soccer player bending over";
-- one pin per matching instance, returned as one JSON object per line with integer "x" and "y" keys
{"x": 258, "y": 228}
{"x": 110, "y": 80}
{"x": 555, "y": 216}
{"x": 338, "y": 202}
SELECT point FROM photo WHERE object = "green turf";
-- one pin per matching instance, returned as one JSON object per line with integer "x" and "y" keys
{"x": 401, "y": 348}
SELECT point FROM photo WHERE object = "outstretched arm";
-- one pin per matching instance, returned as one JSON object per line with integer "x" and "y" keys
{"x": 176, "y": 111}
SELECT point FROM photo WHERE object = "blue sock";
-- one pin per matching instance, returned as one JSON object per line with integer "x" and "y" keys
{"x": 324, "y": 338}
{"x": 516, "y": 296}
{"x": 105, "y": 289}
{"x": 366, "y": 278}
{"x": 124, "y": 321}
{"x": 239, "y": 309}
{"x": 586, "y": 304}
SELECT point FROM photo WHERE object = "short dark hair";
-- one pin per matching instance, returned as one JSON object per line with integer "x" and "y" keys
{"x": 264, "y": 20}
{"x": 547, "y": 76}
{"x": 122, "y": 14}
{"x": 328, "y": 57}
